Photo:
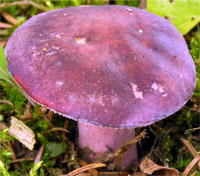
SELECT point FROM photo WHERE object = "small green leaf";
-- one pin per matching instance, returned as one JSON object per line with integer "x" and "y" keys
{"x": 34, "y": 170}
{"x": 195, "y": 52}
{"x": 4, "y": 135}
{"x": 195, "y": 45}
{"x": 54, "y": 149}
{"x": 5, "y": 153}
{"x": 184, "y": 14}
{"x": 3, "y": 60}
{"x": 3, "y": 169}
{"x": 3, "y": 66}
{"x": 4, "y": 74}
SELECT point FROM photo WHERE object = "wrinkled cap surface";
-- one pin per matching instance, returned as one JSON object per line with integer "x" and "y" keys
{"x": 114, "y": 66}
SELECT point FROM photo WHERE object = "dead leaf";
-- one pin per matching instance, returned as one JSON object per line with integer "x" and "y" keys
{"x": 22, "y": 133}
{"x": 151, "y": 168}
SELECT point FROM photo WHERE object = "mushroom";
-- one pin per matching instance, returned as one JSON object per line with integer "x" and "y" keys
{"x": 111, "y": 68}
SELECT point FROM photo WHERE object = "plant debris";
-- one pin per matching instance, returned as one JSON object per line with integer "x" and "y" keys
{"x": 22, "y": 133}
{"x": 151, "y": 168}
{"x": 163, "y": 145}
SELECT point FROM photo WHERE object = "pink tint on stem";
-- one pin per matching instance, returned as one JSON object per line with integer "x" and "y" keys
{"x": 95, "y": 141}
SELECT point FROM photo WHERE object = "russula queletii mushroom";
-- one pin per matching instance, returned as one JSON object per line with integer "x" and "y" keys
{"x": 112, "y": 68}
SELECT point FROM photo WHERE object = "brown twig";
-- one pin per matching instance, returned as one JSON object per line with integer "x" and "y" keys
{"x": 39, "y": 154}
{"x": 2, "y": 126}
{"x": 191, "y": 149}
{"x": 22, "y": 159}
{"x": 10, "y": 19}
{"x": 93, "y": 172}
{"x": 22, "y": 3}
{"x": 5, "y": 25}
{"x": 85, "y": 168}
{"x": 57, "y": 129}
{"x": 6, "y": 102}
{"x": 66, "y": 125}
{"x": 10, "y": 148}
{"x": 194, "y": 173}
{"x": 192, "y": 129}
{"x": 114, "y": 173}
{"x": 3, "y": 42}
{"x": 191, "y": 166}
{"x": 13, "y": 156}
{"x": 49, "y": 117}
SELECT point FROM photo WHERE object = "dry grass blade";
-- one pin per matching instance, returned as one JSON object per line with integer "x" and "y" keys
{"x": 93, "y": 172}
{"x": 22, "y": 159}
{"x": 114, "y": 173}
{"x": 66, "y": 125}
{"x": 191, "y": 166}
{"x": 191, "y": 149}
{"x": 192, "y": 129}
{"x": 4, "y": 32}
{"x": 85, "y": 168}
{"x": 5, "y": 25}
{"x": 22, "y": 3}
{"x": 57, "y": 129}
{"x": 10, "y": 18}
{"x": 39, "y": 155}
{"x": 194, "y": 173}
{"x": 6, "y": 102}
{"x": 141, "y": 174}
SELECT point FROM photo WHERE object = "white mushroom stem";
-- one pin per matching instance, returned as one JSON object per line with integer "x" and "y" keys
{"x": 95, "y": 141}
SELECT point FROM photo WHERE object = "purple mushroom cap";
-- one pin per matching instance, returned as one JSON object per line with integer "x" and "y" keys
{"x": 114, "y": 66}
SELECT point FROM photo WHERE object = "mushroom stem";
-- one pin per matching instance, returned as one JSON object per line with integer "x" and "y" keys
{"x": 94, "y": 141}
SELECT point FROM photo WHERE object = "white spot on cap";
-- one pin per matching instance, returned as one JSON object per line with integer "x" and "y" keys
{"x": 81, "y": 40}
{"x": 98, "y": 99}
{"x": 129, "y": 10}
{"x": 154, "y": 86}
{"x": 59, "y": 83}
{"x": 159, "y": 88}
{"x": 164, "y": 95}
{"x": 114, "y": 100}
{"x": 50, "y": 53}
{"x": 55, "y": 47}
{"x": 58, "y": 63}
{"x": 140, "y": 31}
{"x": 136, "y": 92}
{"x": 58, "y": 36}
